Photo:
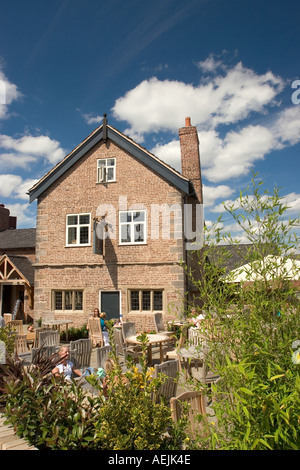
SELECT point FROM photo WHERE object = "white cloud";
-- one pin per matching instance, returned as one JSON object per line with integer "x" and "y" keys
{"x": 230, "y": 97}
{"x": 287, "y": 127}
{"x": 92, "y": 119}
{"x": 33, "y": 147}
{"x": 212, "y": 193}
{"x": 210, "y": 65}
{"x": 237, "y": 152}
{"x": 234, "y": 154}
{"x": 8, "y": 183}
{"x": 169, "y": 153}
{"x": 8, "y": 93}
{"x": 13, "y": 160}
{"x": 293, "y": 202}
{"x": 14, "y": 186}
{"x": 21, "y": 191}
{"x": 26, "y": 215}
{"x": 155, "y": 105}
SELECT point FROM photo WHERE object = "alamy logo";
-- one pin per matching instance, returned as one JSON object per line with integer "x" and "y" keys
{"x": 296, "y": 94}
{"x": 161, "y": 221}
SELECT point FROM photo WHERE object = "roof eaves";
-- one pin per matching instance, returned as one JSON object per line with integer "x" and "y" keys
{"x": 150, "y": 160}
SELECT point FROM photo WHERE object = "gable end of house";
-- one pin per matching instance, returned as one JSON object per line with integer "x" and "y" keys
{"x": 166, "y": 172}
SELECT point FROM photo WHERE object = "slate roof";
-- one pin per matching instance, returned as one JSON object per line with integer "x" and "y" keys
{"x": 237, "y": 255}
{"x": 24, "y": 265}
{"x": 17, "y": 238}
{"x": 105, "y": 132}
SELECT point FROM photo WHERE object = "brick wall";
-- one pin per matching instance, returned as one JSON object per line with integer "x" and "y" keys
{"x": 154, "y": 265}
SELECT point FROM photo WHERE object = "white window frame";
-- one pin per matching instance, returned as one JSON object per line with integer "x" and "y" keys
{"x": 78, "y": 226}
{"x": 102, "y": 170}
{"x": 132, "y": 226}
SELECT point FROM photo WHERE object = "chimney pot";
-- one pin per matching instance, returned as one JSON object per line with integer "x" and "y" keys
{"x": 187, "y": 122}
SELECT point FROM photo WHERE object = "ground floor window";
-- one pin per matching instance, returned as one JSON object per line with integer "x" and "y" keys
{"x": 71, "y": 300}
{"x": 146, "y": 300}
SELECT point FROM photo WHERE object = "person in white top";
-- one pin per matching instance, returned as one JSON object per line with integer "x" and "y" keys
{"x": 65, "y": 367}
{"x": 196, "y": 319}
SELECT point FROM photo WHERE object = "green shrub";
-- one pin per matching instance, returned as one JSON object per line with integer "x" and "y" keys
{"x": 51, "y": 413}
{"x": 48, "y": 412}
{"x": 129, "y": 419}
{"x": 250, "y": 330}
{"x": 74, "y": 333}
{"x": 8, "y": 338}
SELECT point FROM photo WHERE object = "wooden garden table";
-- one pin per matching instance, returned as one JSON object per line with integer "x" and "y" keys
{"x": 152, "y": 339}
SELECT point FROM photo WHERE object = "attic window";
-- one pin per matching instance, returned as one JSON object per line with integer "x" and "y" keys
{"x": 106, "y": 170}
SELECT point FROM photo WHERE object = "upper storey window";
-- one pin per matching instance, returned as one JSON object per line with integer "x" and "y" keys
{"x": 132, "y": 227}
{"x": 78, "y": 229}
{"x": 106, "y": 170}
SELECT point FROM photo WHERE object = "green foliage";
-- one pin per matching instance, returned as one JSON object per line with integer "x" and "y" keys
{"x": 52, "y": 413}
{"x": 47, "y": 411}
{"x": 129, "y": 419}
{"x": 74, "y": 333}
{"x": 250, "y": 328}
{"x": 8, "y": 338}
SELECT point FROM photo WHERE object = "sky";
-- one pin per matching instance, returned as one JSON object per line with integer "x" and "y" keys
{"x": 231, "y": 65}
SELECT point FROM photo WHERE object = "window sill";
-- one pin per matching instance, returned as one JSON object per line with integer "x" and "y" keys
{"x": 73, "y": 245}
{"x": 106, "y": 182}
{"x": 132, "y": 244}
{"x": 66, "y": 312}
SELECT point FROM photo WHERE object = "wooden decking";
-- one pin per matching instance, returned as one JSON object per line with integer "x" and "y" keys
{"x": 9, "y": 440}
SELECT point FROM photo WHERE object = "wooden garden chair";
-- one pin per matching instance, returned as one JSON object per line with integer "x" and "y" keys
{"x": 16, "y": 325}
{"x": 102, "y": 356}
{"x": 196, "y": 409}
{"x": 49, "y": 338}
{"x": 21, "y": 344}
{"x": 95, "y": 332}
{"x": 124, "y": 350}
{"x": 168, "y": 389}
{"x": 159, "y": 325}
{"x": 80, "y": 353}
{"x": 128, "y": 329}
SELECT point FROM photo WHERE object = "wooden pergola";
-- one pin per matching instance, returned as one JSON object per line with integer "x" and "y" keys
{"x": 10, "y": 274}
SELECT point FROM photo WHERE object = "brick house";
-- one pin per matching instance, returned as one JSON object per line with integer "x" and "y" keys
{"x": 110, "y": 229}
{"x": 17, "y": 255}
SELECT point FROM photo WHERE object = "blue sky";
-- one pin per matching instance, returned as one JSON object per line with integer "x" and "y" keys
{"x": 229, "y": 65}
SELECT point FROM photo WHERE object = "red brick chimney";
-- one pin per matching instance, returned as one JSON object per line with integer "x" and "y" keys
{"x": 190, "y": 156}
{"x": 6, "y": 221}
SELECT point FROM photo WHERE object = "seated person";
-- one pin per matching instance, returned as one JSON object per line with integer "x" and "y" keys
{"x": 65, "y": 367}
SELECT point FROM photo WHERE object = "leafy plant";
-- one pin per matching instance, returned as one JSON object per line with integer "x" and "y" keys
{"x": 250, "y": 327}
{"x": 129, "y": 419}
{"x": 45, "y": 410}
{"x": 7, "y": 336}
{"x": 74, "y": 333}
{"x": 51, "y": 413}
